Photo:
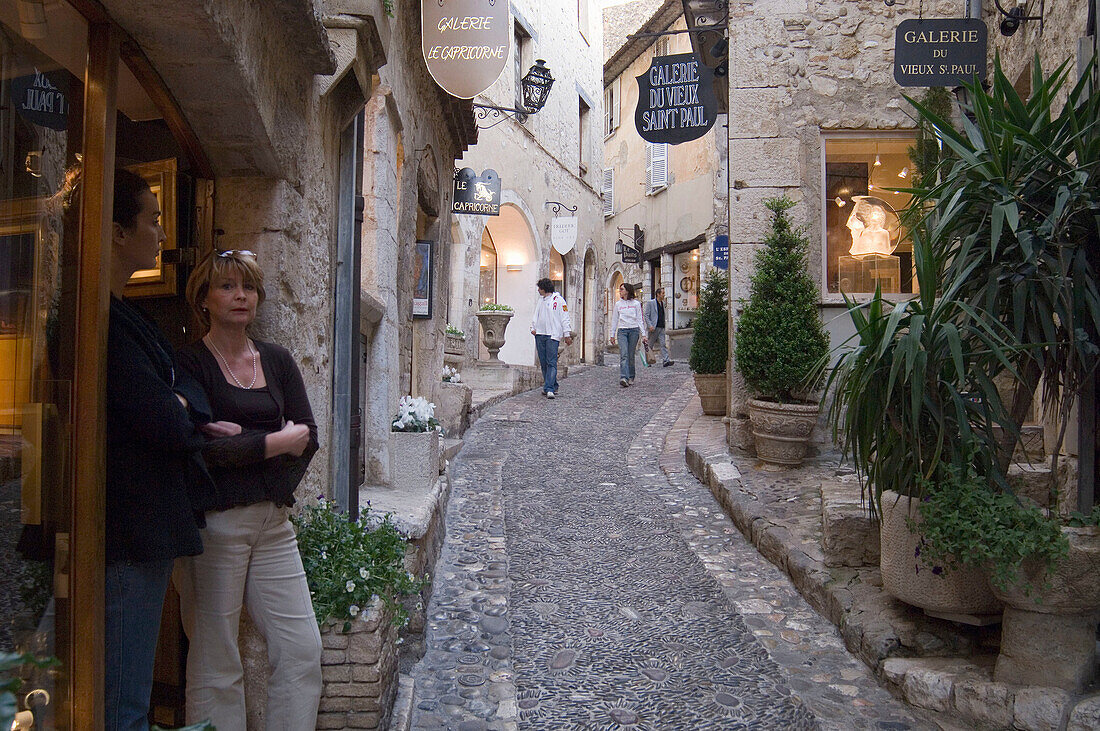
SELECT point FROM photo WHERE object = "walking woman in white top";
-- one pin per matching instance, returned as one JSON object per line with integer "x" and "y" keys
{"x": 627, "y": 322}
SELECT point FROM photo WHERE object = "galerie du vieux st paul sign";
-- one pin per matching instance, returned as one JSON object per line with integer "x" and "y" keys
{"x": 676, "y": 100}
{"x": 940, "y": 51}
{"x": 466, "y": 43}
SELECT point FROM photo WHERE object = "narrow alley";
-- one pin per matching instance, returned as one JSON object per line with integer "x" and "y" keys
{"x": 589, "y": 581}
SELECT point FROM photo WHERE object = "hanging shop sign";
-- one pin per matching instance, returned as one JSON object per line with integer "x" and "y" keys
{"x": 477, "y": 195}
{"x": 466, "y": 43}
{"x": 722, "y": 252}
{"x": 940, "y": 51}
{"x": 563, "y": 233}
{"x": 676, "y": 101}
{"x": 630, "y": 255}
{"x": 41, "y": 99}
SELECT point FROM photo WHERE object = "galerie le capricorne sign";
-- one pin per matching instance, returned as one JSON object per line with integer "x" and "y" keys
{"x": 466, "y": 43}
{"x": 676, "y": 100}
{"x": 940, "y": 51}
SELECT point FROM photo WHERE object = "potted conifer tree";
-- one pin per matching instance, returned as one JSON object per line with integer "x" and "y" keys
{"x": 710, "y": 343}
{"x": 780, "y": 340}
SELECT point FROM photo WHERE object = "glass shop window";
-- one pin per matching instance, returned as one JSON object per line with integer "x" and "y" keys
{"x": 43, "y": 52}
{"x": 865, "y": 243}
{"x": 685, "y": 288}
{"x": 487, "y": 291}
{"x": 557, "y": 272}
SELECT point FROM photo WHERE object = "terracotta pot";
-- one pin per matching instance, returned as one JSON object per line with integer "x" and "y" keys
{"x": 455, "y": 344}
{"x": 782, "y": 431}
{"x": 493, "y": 324}
{"x": 712, "y": 392}
{"x": 963, "y": 591}
{"x": 1049, "y": 637}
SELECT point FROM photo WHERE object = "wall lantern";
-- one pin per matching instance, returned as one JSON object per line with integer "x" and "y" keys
{"x": 536, "y": 88}
{"x": 1012, "y": 19}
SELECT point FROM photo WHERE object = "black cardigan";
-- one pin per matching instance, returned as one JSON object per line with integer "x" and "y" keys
{"x": 241, "y": 474}
{"x": 155, "y": 475}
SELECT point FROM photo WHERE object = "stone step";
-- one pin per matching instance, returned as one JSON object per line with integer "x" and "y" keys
{"x": 848, "y": 535}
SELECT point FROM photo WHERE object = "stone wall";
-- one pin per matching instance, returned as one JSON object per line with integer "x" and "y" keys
{"x": 360, "y": 672}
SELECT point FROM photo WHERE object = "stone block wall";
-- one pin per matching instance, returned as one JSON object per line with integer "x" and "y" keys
{"x": 359, "y": 669}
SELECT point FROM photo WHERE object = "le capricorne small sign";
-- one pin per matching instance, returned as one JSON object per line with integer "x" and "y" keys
{"x": 466, "y": 43}
{"x": 475, "y": 194}
{"x": 940, "y": 51}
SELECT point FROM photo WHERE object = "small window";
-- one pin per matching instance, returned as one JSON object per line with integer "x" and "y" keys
{"x": 611, "y": 108}
{"x": 865, "y": 244}
{"x": 656, "y": 167}
{"x": 662, "y": 46}
{"x": 607, "y": 192}
{"x": 582, "y": 134}
{"x": 521, "y": 52}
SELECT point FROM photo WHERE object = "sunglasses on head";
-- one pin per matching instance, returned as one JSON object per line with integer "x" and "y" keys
{"x": 228, "y": 253}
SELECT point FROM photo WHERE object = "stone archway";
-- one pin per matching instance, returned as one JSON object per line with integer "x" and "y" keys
{"x": 517, "y": 270}
{"x": 588, "y": 308}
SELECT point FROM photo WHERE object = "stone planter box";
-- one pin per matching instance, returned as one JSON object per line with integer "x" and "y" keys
{"x": 414, "y": 458}
{"x": 712, "y": 393}
{"x": 359, "y": 669}
{"x": 455, "y": 344}
{"x": 782, "y": 432}
{"x": 1049, "y": 637}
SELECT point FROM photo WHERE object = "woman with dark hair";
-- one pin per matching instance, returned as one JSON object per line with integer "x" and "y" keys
{"x": 627, "y": 321}
{"x": 155, "y": 475}
{"x": 251, "y": 561}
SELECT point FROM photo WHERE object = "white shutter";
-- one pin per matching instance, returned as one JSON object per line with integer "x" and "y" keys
{"x": 607, "y": 191}
{"x": 611, "y": 108}
{"x": 616, "y": 87}
{"x": 656, "y": 166}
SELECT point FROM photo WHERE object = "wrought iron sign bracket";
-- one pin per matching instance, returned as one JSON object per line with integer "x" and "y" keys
{"x": 558, "y": 206}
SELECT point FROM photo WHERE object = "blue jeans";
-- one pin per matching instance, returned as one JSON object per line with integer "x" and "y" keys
{"x": 134, "y": 598}
{"x": 628, "y": 346}
{"x": 547, "y": 348}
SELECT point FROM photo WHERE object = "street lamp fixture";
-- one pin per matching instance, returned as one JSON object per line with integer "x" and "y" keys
{"x": 536, "y": 88}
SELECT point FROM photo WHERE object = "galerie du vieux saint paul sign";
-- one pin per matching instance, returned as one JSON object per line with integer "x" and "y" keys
{"x": 676, "y": 100}
{"x": 466, "y": 43}
{"x": 940, "y": 51}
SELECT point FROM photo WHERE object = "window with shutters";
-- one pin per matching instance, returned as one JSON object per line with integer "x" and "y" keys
{"x": 582, "y": 129}
{"x": 611, "y": 108}
{"x": 607, "y": 192}
{"x": 656, "y": 167}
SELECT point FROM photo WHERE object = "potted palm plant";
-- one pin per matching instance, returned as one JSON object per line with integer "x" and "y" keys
{"x": 1014, "y": 220}
{"x": 710, "y": 343}
{"x": 780, "y": 339}
{"x": 903, "y": 409}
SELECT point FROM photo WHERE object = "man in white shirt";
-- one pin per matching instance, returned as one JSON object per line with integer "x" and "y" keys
{"x": 550, "y": 324}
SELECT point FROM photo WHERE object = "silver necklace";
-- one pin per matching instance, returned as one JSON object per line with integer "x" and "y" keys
{"x": 255, "y": 370}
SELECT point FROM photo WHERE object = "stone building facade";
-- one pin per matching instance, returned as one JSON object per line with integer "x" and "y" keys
{"x": 552, "y": 156}
{"x": 674, "y": 194}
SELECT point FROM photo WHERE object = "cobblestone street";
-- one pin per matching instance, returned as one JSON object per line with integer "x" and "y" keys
{"x": 589, "y": 581}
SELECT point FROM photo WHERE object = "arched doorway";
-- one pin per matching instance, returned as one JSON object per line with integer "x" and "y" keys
{"x": 588, "y": 305}
{"x": 515, "y": 271}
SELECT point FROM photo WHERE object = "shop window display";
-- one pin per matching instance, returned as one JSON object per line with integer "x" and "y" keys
{"x": 685, "y": 288}
{"x": 865, "y": 244}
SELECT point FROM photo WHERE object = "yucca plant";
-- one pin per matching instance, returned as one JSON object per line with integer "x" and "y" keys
{"x": 1016, "y": 220}
{"x": 912, "y": 393}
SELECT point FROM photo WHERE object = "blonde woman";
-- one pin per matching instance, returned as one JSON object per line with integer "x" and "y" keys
{"x": 261, "y": 442}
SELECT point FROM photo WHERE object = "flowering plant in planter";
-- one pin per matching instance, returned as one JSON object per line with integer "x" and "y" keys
{"x": 494, "y": 307}
{"x": 348, "y": 563}
{"x": 452, "y": 330}
{"x": 415, "y": 414}
{"x": 451, "y": 375}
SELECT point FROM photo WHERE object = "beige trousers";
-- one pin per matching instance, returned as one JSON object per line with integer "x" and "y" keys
{"x": 250, "y": 559}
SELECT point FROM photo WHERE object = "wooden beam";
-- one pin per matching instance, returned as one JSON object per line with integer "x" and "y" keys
{"x": 86, "y": 562}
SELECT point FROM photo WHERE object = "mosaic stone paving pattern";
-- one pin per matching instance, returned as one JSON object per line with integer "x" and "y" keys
{"x": 577, "y": 588}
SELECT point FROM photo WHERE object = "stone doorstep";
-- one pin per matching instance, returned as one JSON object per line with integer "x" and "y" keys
{"x": 412, "y": 510}
{"x": 848, "y": 537}
{"x": 965, "y": 689}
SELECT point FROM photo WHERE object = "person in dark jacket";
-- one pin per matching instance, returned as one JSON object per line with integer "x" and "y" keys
{"x": 155, "y": 475}
{"x": 251, "y": 557}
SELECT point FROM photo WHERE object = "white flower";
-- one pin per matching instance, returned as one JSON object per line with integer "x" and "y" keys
{"x": 350, "y": 586}
{"x": 364, "y": 573}
{"x": 353, "y": 610}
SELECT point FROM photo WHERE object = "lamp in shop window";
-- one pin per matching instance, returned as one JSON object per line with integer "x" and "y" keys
{"x": 874, "y": 227}
{"x": 904, "y": 172}
{"x": 536, "y": 85}
{"x": 840, "y": 202}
